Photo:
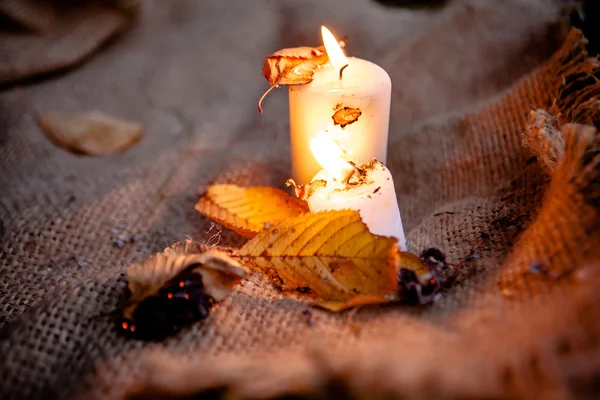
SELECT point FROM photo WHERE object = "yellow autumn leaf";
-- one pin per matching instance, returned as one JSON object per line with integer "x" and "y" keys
{"x": 248, "y": 211}
{"x": 360, "y": 300}
{"x": 332, "y": 253}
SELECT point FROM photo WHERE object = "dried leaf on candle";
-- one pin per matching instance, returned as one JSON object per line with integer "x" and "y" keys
{"x": 93, "y": 133}
{"x": 417, "y": 278}
{"x": 285, "y": 67}
{"x": 293, "y": 66}
{"x": 346, "y": 116}
{"x": 175, "y": 288}
{"x": 332, "y": 253}
{"x": 248, "y": 211}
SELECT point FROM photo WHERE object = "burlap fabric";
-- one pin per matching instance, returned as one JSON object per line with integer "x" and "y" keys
{"x": 519, "y": 317}
{"x": 40, "y": 37}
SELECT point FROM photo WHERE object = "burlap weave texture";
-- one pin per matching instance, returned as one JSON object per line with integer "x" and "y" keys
{"x": 463, "y": 93}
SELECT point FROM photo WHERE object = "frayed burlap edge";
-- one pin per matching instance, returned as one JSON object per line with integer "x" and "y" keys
{"x": 544, "y": 139}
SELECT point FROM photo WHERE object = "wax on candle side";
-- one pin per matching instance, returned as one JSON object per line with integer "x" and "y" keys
{"x": 375, "y": 199}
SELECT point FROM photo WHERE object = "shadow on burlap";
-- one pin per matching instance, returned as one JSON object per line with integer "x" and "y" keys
{"x": 518, "y": 318}
{"x": 39, "y": 37}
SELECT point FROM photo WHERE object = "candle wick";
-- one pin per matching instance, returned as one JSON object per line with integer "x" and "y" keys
{"x": 342, "y": 70}
{"x": 305, "y": 191}
{"x": 361, "y": 174}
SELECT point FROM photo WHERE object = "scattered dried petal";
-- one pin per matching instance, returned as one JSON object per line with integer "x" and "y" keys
{"x": 94, "y": 133}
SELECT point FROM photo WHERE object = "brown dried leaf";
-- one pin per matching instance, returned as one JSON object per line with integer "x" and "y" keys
{"x": 248, "y": 211}
{"x": 293, "y": 66}
{"x": 148, "y": 277}
{"x": 93, "y": 133}
{"x": 346, "y": 116}
{"x": 167, "y": 277}
{"x": 332, "y": 253}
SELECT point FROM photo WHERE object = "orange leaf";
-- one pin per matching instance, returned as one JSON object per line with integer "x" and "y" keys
{"x": 361, "y": 300}
{"x": 248, "y": 211}
{"x": 346, "y": 116}
{"x": 332, "y": 253}
{"x": 93, "y": 133}
{"x": 293, "y": 66}
{"x": 284, "y": 67}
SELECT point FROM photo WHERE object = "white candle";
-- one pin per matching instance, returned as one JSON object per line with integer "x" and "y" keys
{"x": 373, "y": 195}
{"x": 364, "y": 86}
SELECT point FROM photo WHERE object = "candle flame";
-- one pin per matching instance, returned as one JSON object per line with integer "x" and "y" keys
{"x": 334, "y": 51}
{"x": 329, "y": 155}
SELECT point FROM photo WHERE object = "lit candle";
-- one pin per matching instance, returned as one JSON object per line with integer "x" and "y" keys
{"x": 368, "y": 188}
{"x": 364, "y": 89}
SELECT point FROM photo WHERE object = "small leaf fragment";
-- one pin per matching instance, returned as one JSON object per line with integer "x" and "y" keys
{"x": 93, "y": 133}
{"x": 361, "y": 300}
{"x": 305, "y": 191}
{"x": 346, "y": 116}
{"x": 418, "y": 280}
{"x": 332, "y": 253}
{"x": 175, "y": 288}
{"x": 248, "y": 211}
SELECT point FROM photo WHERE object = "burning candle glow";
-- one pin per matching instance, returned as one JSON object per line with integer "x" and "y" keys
{"x": 344, "y": 83}
{"x": 368, "y": 188}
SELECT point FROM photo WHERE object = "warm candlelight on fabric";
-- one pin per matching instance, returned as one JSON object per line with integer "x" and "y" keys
{"x": 344, "y": 83}
{"x": 368, "y": 188}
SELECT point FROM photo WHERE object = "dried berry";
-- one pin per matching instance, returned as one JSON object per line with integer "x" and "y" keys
{"x": 179, "y": 303}
{"x": 420, "y": 288}
{"x": 434, "y": 259}
{"x": 173, "y": 289}
{"x": 418, "y": 281}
